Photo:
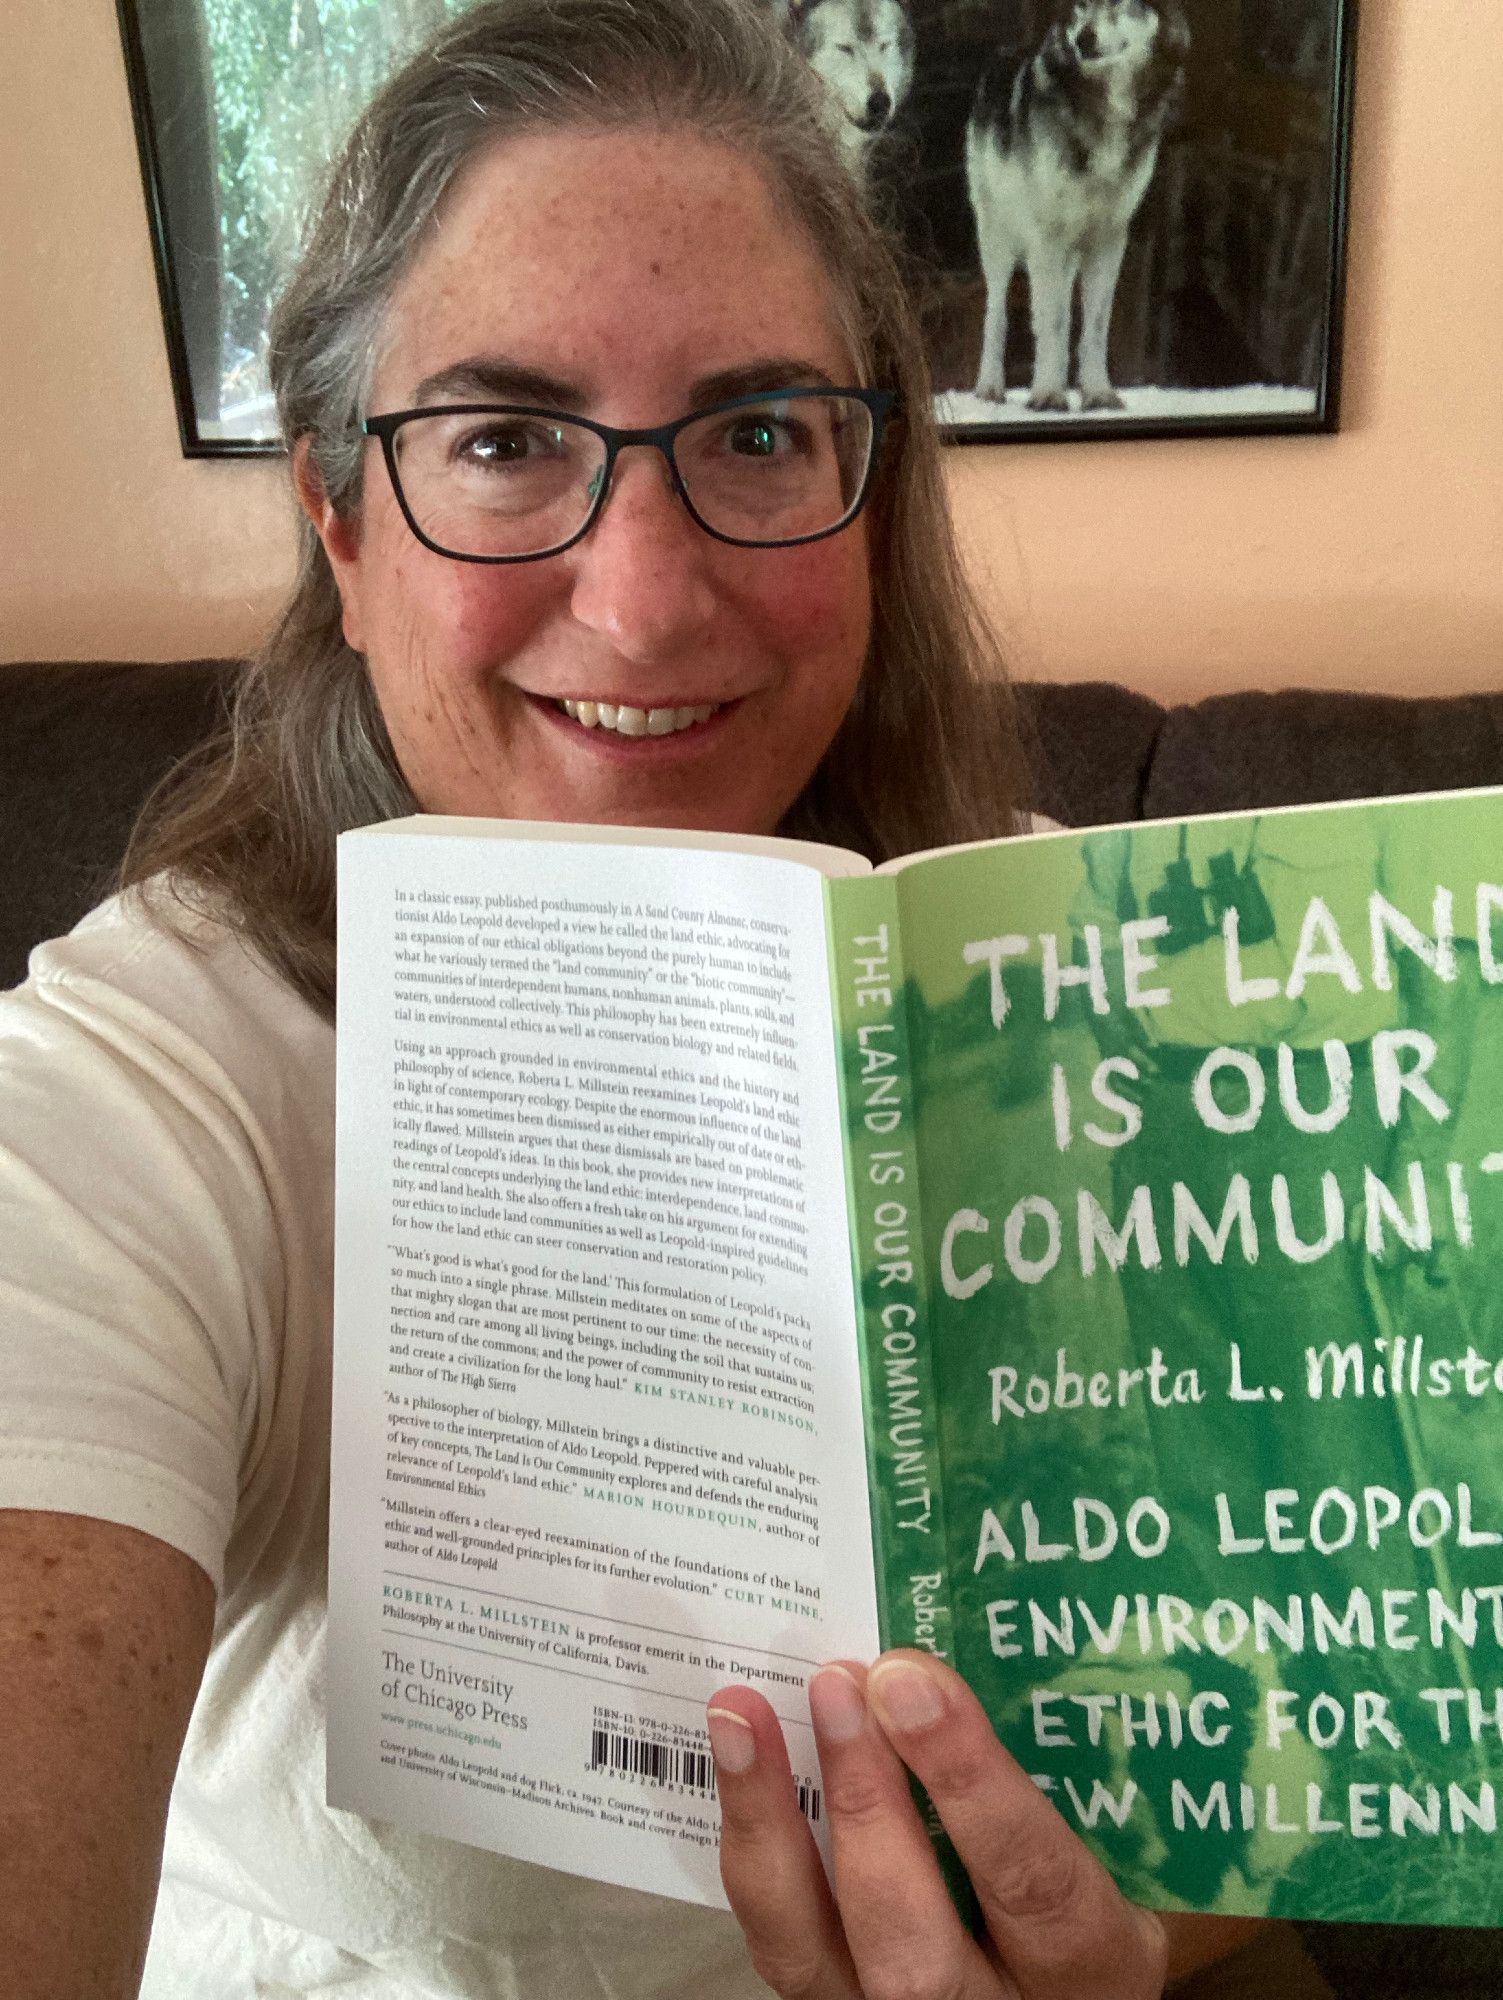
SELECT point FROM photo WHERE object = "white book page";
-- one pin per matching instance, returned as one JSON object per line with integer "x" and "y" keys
{"x": 598, "y": 1444}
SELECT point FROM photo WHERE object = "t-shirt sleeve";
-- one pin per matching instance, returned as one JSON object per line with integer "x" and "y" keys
{"x": 139, "y": 1270}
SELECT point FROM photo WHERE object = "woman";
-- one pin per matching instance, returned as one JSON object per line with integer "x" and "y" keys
{"x": 623, "y": 212}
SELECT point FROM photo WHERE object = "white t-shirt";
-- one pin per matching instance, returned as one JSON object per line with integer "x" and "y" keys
{"x": 166, "y": 1271}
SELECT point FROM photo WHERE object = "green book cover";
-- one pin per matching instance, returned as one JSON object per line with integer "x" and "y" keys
{"x": 1207, "y": 1332}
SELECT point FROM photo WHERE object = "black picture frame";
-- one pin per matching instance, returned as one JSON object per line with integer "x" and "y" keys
{"x": 1227, "y": 316}
{"x": 170, "y": 79}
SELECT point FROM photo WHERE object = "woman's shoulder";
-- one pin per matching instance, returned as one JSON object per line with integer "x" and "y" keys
{"x": 156, "y": 921}
{"x": 156, "y": 941}
{"x": 162, "y": 979}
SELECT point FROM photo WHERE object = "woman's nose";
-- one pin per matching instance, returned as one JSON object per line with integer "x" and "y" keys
{"x": 643, "y": 574}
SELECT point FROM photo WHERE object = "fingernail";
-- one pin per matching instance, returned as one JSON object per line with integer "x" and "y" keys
{"x": 731, "y": 1740}
{"x": 837, "y": 1704}
{"x": 904, "y": 1695}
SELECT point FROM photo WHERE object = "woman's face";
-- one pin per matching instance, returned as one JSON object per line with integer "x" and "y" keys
{"x": 630, "y": 277}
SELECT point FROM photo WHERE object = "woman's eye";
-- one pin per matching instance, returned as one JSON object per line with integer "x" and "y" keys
{"x": 510, "y": 443}
{"x": 762, "y": 436}
{"x": 755, "y": 439}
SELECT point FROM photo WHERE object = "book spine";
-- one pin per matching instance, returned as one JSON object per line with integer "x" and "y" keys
{"x": 904, "y": 1470}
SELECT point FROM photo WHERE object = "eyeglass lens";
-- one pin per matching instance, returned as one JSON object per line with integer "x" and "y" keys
{"x": 509, "y": 484}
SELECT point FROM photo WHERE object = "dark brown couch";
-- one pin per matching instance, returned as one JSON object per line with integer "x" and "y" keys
{"x": 81, "y": 745}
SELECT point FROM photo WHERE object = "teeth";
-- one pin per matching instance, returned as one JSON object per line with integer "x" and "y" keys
{"x": 628, "y": 721}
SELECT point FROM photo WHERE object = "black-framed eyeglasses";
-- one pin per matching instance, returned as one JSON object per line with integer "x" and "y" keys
{"x": 497, "y": 483}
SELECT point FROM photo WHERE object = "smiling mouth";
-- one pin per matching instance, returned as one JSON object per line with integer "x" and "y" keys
{"x": 628, "y": 721}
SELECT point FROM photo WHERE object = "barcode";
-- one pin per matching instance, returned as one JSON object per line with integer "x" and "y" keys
{"x": 658, "y": 1763}
{"x": 672, "y": 1764}
{"x": 808, "y": 1799}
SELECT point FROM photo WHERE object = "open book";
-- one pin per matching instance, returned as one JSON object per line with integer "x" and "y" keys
{"x": 1077, "y": 1256}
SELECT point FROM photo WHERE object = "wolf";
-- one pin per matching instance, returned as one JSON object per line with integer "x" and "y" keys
{"x": 862, "y": 51}
{"x": 1061, "y": 144}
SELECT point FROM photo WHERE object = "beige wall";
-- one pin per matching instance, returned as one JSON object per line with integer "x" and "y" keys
{"x": 1369, "y": 559}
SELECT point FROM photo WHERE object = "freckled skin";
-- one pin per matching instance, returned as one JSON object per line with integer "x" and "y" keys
{"x": 91, "y": 1742}
{"x": 635, "y": 265}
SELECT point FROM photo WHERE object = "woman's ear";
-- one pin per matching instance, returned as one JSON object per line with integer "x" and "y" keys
{"x": 339, "y": 534}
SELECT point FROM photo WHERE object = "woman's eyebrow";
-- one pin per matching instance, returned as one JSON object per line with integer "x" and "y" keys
{"x": 769, "y": 373}
{"x": 494, "y": 379}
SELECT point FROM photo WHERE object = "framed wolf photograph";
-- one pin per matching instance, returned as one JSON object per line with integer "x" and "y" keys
{"x": 1126, "y": 216}
{"x": 1121, "y": 216}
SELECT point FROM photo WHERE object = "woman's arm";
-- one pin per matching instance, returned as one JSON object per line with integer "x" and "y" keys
{"x": 103, "y": 1636}
{"x": 1057, "y": 1928}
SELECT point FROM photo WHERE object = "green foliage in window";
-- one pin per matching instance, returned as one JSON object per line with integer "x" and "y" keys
{"x": 289, "y": 78}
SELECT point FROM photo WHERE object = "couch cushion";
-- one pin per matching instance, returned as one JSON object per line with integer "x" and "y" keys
{"x": 80, "y": 749}
{"x": 1091, "y": 746}
{"x": 1300, "y": 746}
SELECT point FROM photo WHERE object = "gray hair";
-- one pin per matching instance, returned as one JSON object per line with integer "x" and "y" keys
{"x": 925, "y": 756}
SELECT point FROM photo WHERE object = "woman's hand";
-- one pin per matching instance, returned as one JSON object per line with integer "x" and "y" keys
{"x": 1057, "y": 1928}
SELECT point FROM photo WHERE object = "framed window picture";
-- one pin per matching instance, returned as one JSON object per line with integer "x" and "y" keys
{"x": 1123, "y": 217}
{"x": 239, "y": 106}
